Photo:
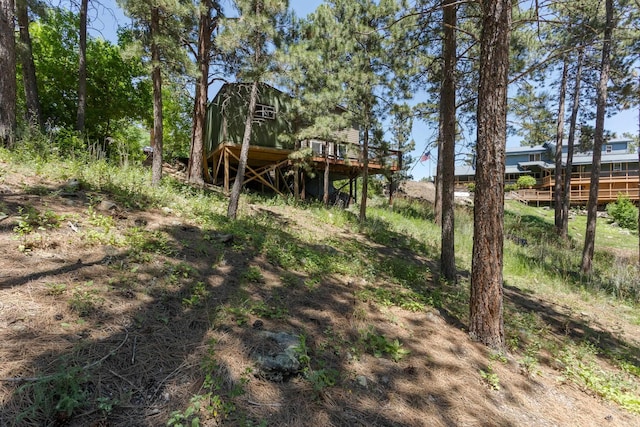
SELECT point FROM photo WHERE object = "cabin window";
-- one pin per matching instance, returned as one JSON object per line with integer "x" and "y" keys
{"x": 318, "y": 147}
{"x": 534, "y": 157}
{"x": 609, "y": 148}
{"x": 264, "y": 112}
{"x": 617, "y": 167}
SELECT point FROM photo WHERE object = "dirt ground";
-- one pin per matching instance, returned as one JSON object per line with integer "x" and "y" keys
{"x": 129, "y": 325}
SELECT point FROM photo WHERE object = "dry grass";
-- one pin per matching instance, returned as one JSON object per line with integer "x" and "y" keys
{"x": 150, "y": 327}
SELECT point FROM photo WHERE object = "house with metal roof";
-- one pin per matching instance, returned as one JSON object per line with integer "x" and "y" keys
{"x": 618, "y": 174}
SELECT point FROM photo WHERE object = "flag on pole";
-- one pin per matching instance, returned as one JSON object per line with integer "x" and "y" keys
{"x": 425, "y": 157}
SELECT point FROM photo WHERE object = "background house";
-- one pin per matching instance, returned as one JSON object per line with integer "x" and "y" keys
{"x": 618, "y": 175}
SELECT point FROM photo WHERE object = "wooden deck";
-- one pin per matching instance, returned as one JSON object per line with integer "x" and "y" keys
{"x": 612, "y": 184}
{"x": 272, "y": 168}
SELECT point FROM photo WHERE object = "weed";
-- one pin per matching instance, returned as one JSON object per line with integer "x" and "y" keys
{"x": 199, "y": 293}
{"x": 30, "y": 219}
{"x": 490, "y": 377}
{"x": 406, "y": 300}
{"x": 253, "y": 275}
{"x": 379, "y": 345}
{"x": 261, "y": 309}
{"x": 85, "y": 299}
{"x": 580, "y": 367}
{"x": 56, "y": 289}
{"x": 56, "y": 396}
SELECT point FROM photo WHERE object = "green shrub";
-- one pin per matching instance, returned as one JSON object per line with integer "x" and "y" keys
{"x": 526, "y": 181}
{"x": 511, "y": 187}
{"x": 471, "y": 187}
{"x": 624, "y": 212}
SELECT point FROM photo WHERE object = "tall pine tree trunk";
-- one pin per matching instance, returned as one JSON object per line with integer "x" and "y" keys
{"x": 232, "y": 210}
{"x": 598, "y": 142}
{"x": 156, "y": 77}
{"x": 573, "y": 122}
{"x": 365, "y": 174}
{"x": 437, "y": 179}
{"x": 82, "y": 68}
{"x": 486, "y": 310}
{"x": 558, "y": 187}
{"x": 448, "y": 114}
{"x": 7, "y": 73}
{"x": 32, "y": 100}
{"x": 197, "y": 162}
{"x": 325, "y": 175}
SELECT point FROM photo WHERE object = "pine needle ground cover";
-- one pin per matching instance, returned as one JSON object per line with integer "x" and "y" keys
{"x": 122, "y": 304}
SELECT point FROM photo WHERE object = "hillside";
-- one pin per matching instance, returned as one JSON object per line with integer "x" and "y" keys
{"x": 122, "y": 305}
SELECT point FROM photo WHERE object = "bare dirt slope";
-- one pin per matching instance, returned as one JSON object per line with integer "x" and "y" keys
{"x": 145, "y": 327}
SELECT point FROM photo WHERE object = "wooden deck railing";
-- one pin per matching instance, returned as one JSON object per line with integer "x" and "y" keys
{"x": 605, "y": 195}
{"x": 585, "y": 177}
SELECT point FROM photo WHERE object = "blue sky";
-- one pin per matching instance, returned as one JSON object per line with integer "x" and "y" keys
{"x": 110, "y": 17}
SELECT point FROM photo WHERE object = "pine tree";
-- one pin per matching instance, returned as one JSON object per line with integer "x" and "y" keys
{"x": 486, "y": 311}
{"x": 7, "y": 73}
{"x": 598, "y": 142}
{"x": 160, "y": 27}
{"x": 448, "y": 126}
{"x": 209, "y": 13}
{"x": 32, "y": 100}
{"x": 251, "y": 37}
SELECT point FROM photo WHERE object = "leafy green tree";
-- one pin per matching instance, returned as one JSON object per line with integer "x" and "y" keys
{"x": 116, "y": 89}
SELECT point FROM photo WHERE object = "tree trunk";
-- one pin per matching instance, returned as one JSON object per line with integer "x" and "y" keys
{"x": 570, "y": 144}
{"x": 32, "y": 100}
{"x": 598, "y": 142}
{"x": 486, "y": 310}
{"x": 197, "y": 162}
{"x": 437, "y": 179}
{"x": 156, "y": 77}
{"x": 448, "y": 114}
{"x": 558, "y": 187}
{"x": 82, "y": 67}
{"x": 232, "y": 210}
{"x": 365, "y": 175}
{"x": 7, "y": 73}
{"x": 325, "y": 175}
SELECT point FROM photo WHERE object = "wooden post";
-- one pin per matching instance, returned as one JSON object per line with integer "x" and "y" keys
{"x": 226, "y": 169}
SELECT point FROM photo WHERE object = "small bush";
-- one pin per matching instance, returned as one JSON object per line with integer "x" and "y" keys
{"x": 624, "y": 212}
{"x": 471, "y": 187}
{"x": 511, "y": 187}
{"x": 526, "y": 181}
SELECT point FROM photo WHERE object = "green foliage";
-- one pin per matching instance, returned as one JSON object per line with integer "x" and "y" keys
{"x": 511, "y": 187}
{"x": 624, "y": 212}
{"x": 30, "y": 219}
{"x": 112, "y": 105}
{"x": 490, "y": 377}
{"x": 406, "y": 300}
{"x": 85, "y": 299}
{"x": 199, "y": 293}
{"x": 526, "y": 181}
{"x": 55, "y": 397}
{"x": 580, "y": 366}
{"x": 253, "y": 274}
{"x": 378, "y": 345}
